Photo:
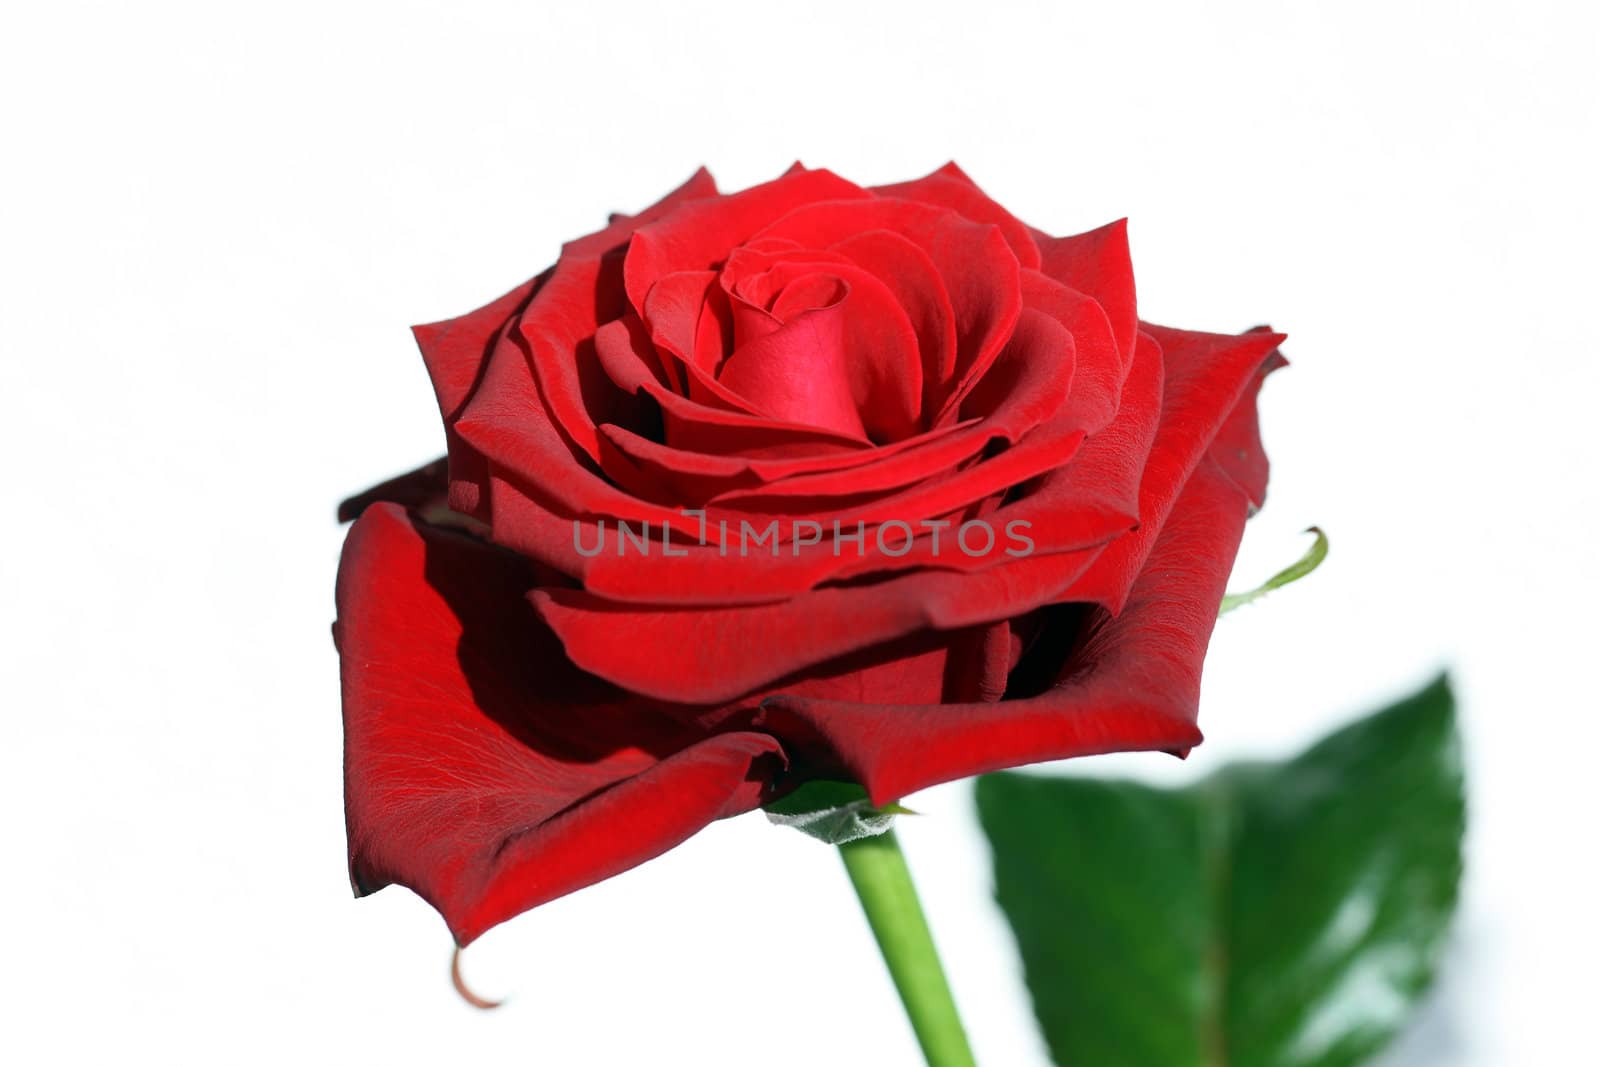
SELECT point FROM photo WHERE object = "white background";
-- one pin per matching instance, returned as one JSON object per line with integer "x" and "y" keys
{"x": 218, "y": 224}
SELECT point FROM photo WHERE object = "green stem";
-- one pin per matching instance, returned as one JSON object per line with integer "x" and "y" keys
{"x": 882, "y": 880}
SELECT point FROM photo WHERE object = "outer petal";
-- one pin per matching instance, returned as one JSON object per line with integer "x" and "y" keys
{"x": 721, "y": 654}
{"x": 1101, "y": 369}
{"x": 950, "y": 187}
{"x": 481, "y": 770}
{"x": 1132, "y": 685}
{"x": 1098, "y": 265}
{"x": 1210, "y": 380}
{"x": 1238, "y": 445}
{"x": 456, "y": 352}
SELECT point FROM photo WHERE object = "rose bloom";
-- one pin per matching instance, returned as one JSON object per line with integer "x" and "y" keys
{"x": 552, "y": 672}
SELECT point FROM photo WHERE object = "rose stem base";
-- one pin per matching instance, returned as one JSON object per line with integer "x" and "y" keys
{"x": 882, "y": 881}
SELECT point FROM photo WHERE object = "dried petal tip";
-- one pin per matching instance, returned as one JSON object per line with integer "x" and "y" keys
{"x": 461, "y": 986}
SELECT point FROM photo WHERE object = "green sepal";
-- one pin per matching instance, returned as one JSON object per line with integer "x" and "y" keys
{"x": 833, "y": 812}
{"x": 1292, "y": 573}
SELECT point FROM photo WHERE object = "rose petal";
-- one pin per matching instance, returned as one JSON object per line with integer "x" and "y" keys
{"x": 697, "y": 476}
{"x": 949, "y": 187}
{"x": 1237, "y": 448}
{"x": 1096, "y": 494}
{"x": 730, "y": 651}
{"x": 1031, "y": 381}
{"x": 700, "y": 236}
{"x": 1208, "y": 378}
{"x": 980, "y": 272}
{"x": 874, "y": 362}
{"x": 1098, "y": 265}
{"x": 695, "y": 427}
{"x": 1133, "y": 684}
{"x": 483, "y": 772}
{"x": 457, "y": 350}
{"x": 675, "y": 312}
{"x": 1100, "y": 366}
{"x": 629, "y": 360}
{"x": 506, "y": 422}
{"x": 724, "y": 653}
{"x": 1033, "y": 376}
{"x": 800, "y": 373}
{"x": 913, "y": 278}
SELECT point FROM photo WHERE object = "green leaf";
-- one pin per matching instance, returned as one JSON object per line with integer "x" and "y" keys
{"x": 833, "y": 812}
{"x": 1292, "y": 573}
{"x": 1274, "y": 915}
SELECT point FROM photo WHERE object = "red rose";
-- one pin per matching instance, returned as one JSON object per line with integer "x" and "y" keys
{"x": 989, "y": 515}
